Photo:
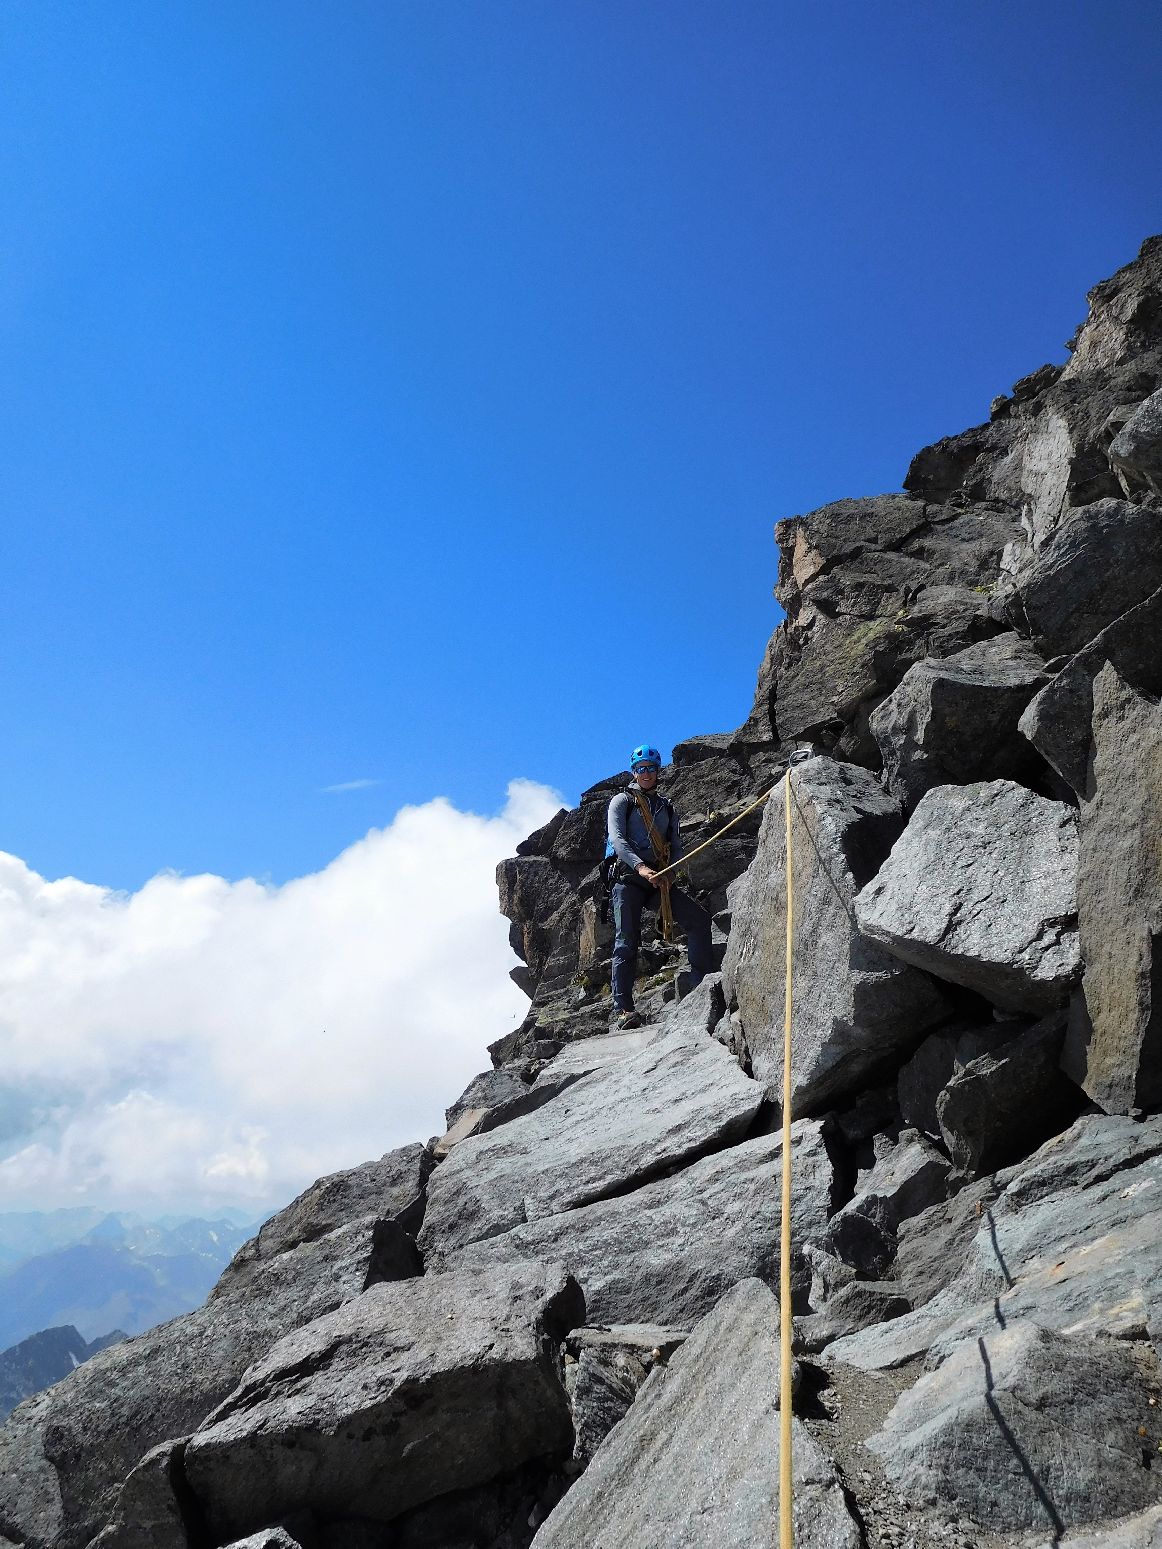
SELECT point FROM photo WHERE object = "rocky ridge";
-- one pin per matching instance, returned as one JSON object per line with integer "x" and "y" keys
{"x": 554, "y": 1325}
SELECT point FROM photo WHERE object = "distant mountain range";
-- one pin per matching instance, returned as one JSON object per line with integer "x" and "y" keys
{"x": 45, "y": 1358}
{"x": 96, "y": 1271}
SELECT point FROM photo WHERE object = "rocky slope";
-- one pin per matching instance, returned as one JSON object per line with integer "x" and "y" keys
{"x": 555, "y": 1325}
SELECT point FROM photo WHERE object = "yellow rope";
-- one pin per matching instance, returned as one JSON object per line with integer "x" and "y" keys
{"x": 785, "y": 1485}
{"x": 706, "y": 843}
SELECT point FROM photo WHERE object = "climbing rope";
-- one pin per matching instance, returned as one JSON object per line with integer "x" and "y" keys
{"x": 714, "y": 838}
{"x": 785, "y": 1485}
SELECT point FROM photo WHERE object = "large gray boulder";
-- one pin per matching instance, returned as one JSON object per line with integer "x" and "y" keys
{"x": 1097, "y": 563}
{"x": 998, "y": 1106}
{"x": 696, "y": 1459}
{"x": 1070, "y": 1242}
{"x": 1058, "y": 720}
{"x": 391, "y": 1188}
{"x": 858, "y": 1305}
{"x": 1115, "y": 1048}
{"x": 409, "y": 1392}
{"x": 954, "y": 719}
{"x": 31, "y": 1512}
{"x": 94, "y": 1427}
{"x": 667, "y": 1252}
{"x": 680, "y": 1095}
{"x": 982, "y": 890}
{"x": 1136, "y": 451}
{"x": 1029, "y": 1428}
{"x": 149, "y": 1512}
{"x": 854, "y": 1004}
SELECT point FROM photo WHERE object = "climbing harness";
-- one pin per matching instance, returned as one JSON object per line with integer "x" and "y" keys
{"x": 661, "y": 853}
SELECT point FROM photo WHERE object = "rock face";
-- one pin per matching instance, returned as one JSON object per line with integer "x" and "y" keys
{"x": 1063, "y": 599}
{"x": 870, "y": 587}
{"x": 608, "y": 1368}
{"x": 854, "y": 1004}
{"x": 1068, "y": 1240}
{"x": 1029, "y": 1428}
{"x": 359, "y": 1392}
{"x": 1116, "y": 1048}
{"x": 696, "y": 1459}
{"x": 1058, "y": 720}
{"x": 981, "y": 890}
{"x": 672, "y": 1249}
{"x": 1136, "y": 450}
{"x": 994, "y": 1105}
{"x": 681, "y": 1095}
{"x": 955, "y": 718}
{"x": 558, "y": 1321}
{"x": 910, "y": 1176}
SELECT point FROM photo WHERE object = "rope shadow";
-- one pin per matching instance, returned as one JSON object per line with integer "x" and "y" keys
{"x": 844, "y": 903}
{"x": 1044, "y": 1499}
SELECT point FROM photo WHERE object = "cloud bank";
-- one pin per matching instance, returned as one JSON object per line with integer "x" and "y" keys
{"x": 204, "y": 1042}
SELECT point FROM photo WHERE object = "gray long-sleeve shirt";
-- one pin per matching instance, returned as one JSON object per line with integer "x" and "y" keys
{"x": 627, "y": 830}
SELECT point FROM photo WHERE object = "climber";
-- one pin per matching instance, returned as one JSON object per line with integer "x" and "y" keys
{"x": 635, "y": 887}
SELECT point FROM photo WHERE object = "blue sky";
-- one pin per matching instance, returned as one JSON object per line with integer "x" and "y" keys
{"x": 405, "y": 392}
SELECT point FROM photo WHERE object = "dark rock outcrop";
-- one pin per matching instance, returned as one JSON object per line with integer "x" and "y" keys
{"x": 998, "y": 1106}
{"x": 855, "y": 1005}
{"x": 1095, "y": 565}
{"x": 1058, "y": 721}
{"x": 42, "y": 1359}
{"x": 1136, "y": 451}
{"x": 870, "y": 587}
{"x": 607, "y": 1368}
{"x": 457, "y": 1376}
{"x": 954, "y": 719}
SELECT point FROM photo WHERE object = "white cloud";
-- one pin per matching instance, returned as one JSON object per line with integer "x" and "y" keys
{"x": 349, "y": 785}
{"x": 204, "y": 1041}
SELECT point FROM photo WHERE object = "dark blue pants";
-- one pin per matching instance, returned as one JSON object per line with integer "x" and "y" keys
{"x": 628, "y": 902}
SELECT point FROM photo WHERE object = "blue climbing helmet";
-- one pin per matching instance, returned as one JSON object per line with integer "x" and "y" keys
{"x": 645, "y": 755}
